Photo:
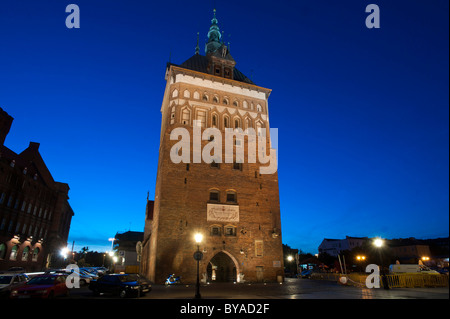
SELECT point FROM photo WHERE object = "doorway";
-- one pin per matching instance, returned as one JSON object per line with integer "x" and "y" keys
{"x": 222, "y": 268}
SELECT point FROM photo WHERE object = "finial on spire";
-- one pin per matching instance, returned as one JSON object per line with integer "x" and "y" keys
{"x": 197, "y": 48}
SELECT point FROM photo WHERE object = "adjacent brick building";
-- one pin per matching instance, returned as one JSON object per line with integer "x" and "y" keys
{"x": 232, "y": 204}
{"x": 35, "y": 215}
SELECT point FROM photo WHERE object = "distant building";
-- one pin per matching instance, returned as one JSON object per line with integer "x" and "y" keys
{"x": 334, "y": 247}
{"x": 35, "y": 214}
{"x": 411, "y": 250}
{"x": 126, "y": 245}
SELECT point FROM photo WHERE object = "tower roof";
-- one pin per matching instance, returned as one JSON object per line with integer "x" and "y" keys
{"x": 200, "y": 63}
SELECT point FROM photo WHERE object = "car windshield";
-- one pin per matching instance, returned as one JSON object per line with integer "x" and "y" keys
{"x": 128, "y": 278}
{"x": 42, "y": 281}
{"x": 5, "y": 280}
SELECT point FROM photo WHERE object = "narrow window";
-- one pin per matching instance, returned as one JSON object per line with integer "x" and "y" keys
{"x": 214, "y": 196}
{"x": 230, "y": 231}
{"x": 237, "y": 166}
{"x": 231, "y": 197}
{"x": 215, "y": 231}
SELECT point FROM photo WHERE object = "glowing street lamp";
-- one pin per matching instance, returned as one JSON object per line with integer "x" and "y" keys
{"x": 378, "y": 242}
{"x": 198, "y": 255}
{"x": 64, "y": 252}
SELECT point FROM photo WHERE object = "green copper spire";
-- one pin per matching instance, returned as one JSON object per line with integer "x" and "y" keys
{"x": 214, "y": 36}
{"x": 197, "y": 48}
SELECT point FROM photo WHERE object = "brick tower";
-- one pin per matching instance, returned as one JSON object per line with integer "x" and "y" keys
{"x": 232, "y": 203}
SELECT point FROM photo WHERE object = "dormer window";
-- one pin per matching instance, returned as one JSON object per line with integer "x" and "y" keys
{"x": 227, "y": 73}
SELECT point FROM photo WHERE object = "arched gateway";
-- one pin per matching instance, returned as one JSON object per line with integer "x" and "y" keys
{"x": 223, "y": 267}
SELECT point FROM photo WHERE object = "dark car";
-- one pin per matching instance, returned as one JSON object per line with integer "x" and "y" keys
{"x": 42, "y": 286}
{"x": 10, "y": 281}
{"x": 124, "y": 285}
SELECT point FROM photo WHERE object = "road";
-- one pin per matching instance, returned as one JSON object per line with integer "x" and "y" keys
{"x": 290, "y": 289}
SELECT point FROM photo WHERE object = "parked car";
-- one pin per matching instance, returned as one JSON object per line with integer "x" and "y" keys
{"x": 16, "y": 269}
{"x": 124, "y": 285}
{"x": 10, "y": 281}
{"x": 42, "y": 286}
{"x": 85, "y": 278}
{"x": 306, "y": 273}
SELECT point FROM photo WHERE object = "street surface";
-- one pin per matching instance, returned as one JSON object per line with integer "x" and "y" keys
{"x": 292, "y": 288}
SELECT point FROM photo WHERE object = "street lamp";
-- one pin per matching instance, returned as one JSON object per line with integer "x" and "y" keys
{"x": 198, "y": 256}
{"x": 361, "y": 258}
{"x": 64, "y": 252}
{"x": 378, "y": 243}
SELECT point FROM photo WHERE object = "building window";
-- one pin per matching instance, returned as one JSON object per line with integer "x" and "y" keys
{"x": 25, "y": 253}
{"x": 2, "y": 251}
{"x": 13, "y": 254}
{"x": 215, "y": 231}
{"x": 35, "y": 254}
{"x": 186, "y": 117}
{"x": 259, "y": 248}
{"x": 216, "y": 99}
{"x": 214, "y": 196}
{"x": 235, "y": 103}
{"x": 227, "y": 73}
{"x": 214, "y": 164}
{"x": 231, "y": 197}
{"x": 237, "y": 123}
{"x": 237, "y": 166}
{"x": 230, "y": 231}
{"x": 214, "y": 120}
{"x": 2, "y": 198}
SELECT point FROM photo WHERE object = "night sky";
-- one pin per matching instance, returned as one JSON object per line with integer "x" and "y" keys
{"x": 362, "y": 114}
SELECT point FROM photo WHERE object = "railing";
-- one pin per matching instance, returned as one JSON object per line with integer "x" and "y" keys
{"x": 394, "y": 281}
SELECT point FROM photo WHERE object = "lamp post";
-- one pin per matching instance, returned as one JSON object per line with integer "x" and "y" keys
{"x": 379, "y": 243}
{"x": 198, "y": 255}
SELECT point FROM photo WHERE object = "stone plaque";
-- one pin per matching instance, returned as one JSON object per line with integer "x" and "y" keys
{"x": 222, "y": 213}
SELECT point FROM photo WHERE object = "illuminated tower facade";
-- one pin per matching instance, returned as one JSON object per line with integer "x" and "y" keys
{"x": 231, "y": 203}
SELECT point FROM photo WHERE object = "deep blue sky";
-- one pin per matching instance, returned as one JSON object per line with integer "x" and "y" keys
{"x": 363, "y": 114}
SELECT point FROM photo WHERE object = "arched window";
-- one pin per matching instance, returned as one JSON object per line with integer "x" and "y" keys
{"x": 258, "y": 108}
{"x": 25, "y": 253}
{"x": 187, "y": 94}
{"x": 35, "y": 254}
{"x": 2, "y": 251}
{"x": 175, "y": 93}
{"x": 226, "y": 122}
{"x": 231, "y": 197}
{"x": 248, "y": 123}
{"x": 186, "y": 117}
{"x": 235, "y": 103}
{"x": 214, "y": 196}
{"x": 215, "y": 99}
{"x": 225, "y": 101}
{"x": 196, "y": 95}
{"x": 230, "y": 230}
{"x": 205, "y": 97}
{"x": 245, "y": 104}
{"x": 214, "y": 120}
{"x": 13, "y": 254}
{"x": 237, "y": 123}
